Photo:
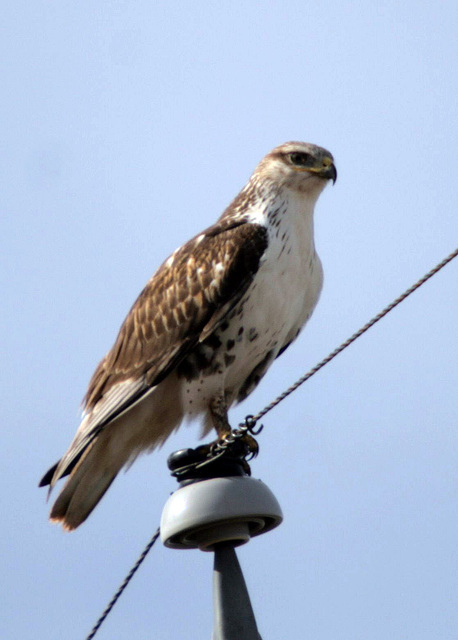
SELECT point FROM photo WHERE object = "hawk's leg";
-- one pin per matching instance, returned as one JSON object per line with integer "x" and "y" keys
{"x": 220, "y": 420}
{"x": 219, "y": 417}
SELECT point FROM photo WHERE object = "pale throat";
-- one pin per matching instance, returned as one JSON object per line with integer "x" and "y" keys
{"x": 283, "y": 210}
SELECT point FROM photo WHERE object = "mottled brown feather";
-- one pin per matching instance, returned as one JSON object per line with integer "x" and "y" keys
{"x": 179, "y": 302}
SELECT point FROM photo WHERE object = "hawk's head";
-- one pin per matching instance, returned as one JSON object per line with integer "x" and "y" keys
{"x": 300, "y": 166}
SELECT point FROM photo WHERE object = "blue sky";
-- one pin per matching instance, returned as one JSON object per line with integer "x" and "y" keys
{"x": 127, "y": 128}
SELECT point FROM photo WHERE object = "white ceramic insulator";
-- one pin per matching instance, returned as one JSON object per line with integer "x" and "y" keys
{"x": 209, "y": 512}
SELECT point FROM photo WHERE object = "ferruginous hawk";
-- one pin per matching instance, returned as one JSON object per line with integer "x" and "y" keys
{"x": 205, "y": 329}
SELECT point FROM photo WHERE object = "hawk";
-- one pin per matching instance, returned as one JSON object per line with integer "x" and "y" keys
{"x": 205, "y": 329}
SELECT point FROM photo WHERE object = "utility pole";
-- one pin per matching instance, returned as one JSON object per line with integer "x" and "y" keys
{"x": 219, "y": 507}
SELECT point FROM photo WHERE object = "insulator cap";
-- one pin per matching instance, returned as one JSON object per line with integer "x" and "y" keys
{"x": 231, "y": 509}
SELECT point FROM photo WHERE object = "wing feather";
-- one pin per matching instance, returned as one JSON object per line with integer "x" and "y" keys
{"x": 206, "y": 276}
{"x": 184, "y": 302}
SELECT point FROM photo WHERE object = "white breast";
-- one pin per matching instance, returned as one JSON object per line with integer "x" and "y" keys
{"x": 285, "y": 290}
{"x": 277, "y": 304}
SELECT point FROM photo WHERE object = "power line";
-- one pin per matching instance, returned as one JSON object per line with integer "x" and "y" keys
{"x": 124, "y": 584}
{"x": 250, "y": 421}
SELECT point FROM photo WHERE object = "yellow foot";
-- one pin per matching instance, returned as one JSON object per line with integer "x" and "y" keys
{"x": 244, "y": 445}
{"x": 251, "y": 445}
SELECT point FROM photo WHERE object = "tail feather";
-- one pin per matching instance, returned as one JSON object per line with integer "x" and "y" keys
{"x": 146, "y": 426}
{"x": 83, "y": 490}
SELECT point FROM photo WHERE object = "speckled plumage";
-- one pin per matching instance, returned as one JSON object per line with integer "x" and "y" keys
{"x": 205, "y": 329}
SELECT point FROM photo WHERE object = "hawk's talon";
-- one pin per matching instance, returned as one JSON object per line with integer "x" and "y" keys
{"x": 240, "y": 444}
{"x": 251, "y": 445}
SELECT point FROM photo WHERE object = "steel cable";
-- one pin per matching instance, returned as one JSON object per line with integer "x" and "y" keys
{"x": 250, "y": 421}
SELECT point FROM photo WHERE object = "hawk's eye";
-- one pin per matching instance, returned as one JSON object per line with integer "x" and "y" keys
{"x": 300, "y": 158}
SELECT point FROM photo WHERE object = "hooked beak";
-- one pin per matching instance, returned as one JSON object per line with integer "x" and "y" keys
{"x": 325, "y": 169}
{"x": 328, "y": 170}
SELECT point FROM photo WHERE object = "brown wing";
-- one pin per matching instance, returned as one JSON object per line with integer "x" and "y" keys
{"x": 184, "y": 301}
